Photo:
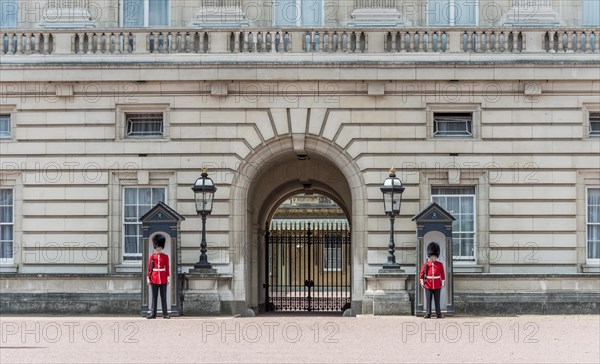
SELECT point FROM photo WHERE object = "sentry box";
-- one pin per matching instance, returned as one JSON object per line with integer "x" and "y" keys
{"x": 162, "y": 219}
{"x": 434, "y": 224}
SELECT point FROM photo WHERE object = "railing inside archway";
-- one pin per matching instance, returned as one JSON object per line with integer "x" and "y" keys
{"x": 308, "y": 266}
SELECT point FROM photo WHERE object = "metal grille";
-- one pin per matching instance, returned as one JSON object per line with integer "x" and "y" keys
{"x": 144, "y": 124}
{"x": 452, "y": 124}
{"x": 309, "y": 267}
{"x": 595, "y": 124}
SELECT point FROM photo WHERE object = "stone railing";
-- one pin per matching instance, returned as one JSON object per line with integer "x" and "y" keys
{"x": 325, "y": 40}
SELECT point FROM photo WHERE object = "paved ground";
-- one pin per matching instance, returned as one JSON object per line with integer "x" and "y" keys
{"x": 300, "y": 338}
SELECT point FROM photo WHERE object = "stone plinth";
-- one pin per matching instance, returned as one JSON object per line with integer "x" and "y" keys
{"x": 205, "y": 292}
{"x": 523, "y": 15}
{"x": 220, "y": 16}
{"x": 67, "y": 18}
{"x": 386, "y": 293}
{"x": 373, "y": 17}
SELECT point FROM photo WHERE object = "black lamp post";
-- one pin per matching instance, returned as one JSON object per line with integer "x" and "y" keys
{"x": 392, "y": 197}
{"x": 204, "y": 192}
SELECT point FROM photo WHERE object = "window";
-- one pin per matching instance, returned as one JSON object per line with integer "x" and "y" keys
{"x": 452, "y": 12}
{"x": 593, "y": 223}
{"x": 460, "y": 202}
{"x": 591, "y": 12}
{"x": 594, "y": 124}
{"x": 8, "y": 13}
{"x": 136, "y": 202}
{"x": 144, "y": 124}
{"x": 4, "y": 126}
{"x": 452, "y": 124}
{"x": 6, "y": 225}
{"x": 144, "y": 13}
{"x": 297, "y": 12}
{"x": 332, "y": 253}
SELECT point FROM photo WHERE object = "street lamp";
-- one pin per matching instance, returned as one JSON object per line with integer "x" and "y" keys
{"x": 392, "y": 197}
{"x": 204, "y": 192}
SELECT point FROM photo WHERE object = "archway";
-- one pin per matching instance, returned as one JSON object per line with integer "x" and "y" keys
{"x": 308, "y": 255}
{"x": 268, "y": 176}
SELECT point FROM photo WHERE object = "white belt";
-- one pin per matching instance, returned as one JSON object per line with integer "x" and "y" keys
{"x": 433, "y": 277}
{"x": 158, "y": 269}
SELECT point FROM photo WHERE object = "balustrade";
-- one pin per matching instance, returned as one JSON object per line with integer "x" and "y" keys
{"x": 327, "y": 40}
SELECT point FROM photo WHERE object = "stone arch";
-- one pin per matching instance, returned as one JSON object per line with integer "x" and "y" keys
{"x": 254, "y": 194}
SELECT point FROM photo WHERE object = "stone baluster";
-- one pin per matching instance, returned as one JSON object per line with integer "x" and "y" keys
{"x": 19, "y": 43}
{"x": 47, "y": 48}
{"x": 27, "y": 40}
{"x": 77, "y": 45}
{"x": 576, "y": 36}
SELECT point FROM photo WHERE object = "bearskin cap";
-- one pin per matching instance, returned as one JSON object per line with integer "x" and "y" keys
{"x": 159, "y": 241}
{"x": 433, "y": 249}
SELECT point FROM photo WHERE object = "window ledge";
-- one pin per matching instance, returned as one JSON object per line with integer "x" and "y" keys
{"x": 129, "y": 268}
{"x": 460, "y": 267}
{"x": 591, "y": 268}
{"x": 8, "y": 268}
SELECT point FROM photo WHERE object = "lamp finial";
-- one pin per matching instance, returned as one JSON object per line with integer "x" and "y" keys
{"x": 204, "y": 170}
{"x": 392, "y": 170}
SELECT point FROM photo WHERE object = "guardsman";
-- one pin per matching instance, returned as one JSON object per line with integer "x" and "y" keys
{"x": 158, "y": 275}
{"x": 432, "y": 279}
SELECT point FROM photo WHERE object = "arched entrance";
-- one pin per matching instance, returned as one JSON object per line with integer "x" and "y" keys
{"x": 308, "y": 255}
{"x": 267, "y": 177}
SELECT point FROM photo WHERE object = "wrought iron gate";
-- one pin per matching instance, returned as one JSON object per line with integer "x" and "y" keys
{"x": 308, "y": 267}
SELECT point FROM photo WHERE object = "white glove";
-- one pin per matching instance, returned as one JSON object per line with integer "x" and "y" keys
{"x": 443, "y": 283}
{"x": 148, "y": 281}
{"x": 421, "y": 282}
{"x": 168, "y": 280}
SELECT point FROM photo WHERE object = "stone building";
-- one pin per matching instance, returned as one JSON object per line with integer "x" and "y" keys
{"x": 489, "y": 108}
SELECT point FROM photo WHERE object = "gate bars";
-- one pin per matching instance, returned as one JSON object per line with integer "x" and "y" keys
{"x": 308, "y": 267}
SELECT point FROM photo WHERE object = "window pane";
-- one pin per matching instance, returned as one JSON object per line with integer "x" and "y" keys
{"x": 453, "y": 205}
{"x": 593, "y": 196}
{"x": 8, "y": 13}
{"x": 312, "y": 12}
{"x": 593, "y": 237}
{"x": 131, "y": 245}
{"x": 131, "y": 213}
{"x": 438, "y": 12}
{"x": 6, "y": 214}
{"x": 285, "y": 12}
{"x": 130, "y": 196}
{"x": 467, "y": 248}
{"x": 145, "y": 196}
{"x": 5, "y": 196}
{"x": 6, "y": 233}
{"x": 158, "y": 195}
{"x": 158, "y": 12}
{"x": 6, "y": 251}
{"x": 593, "y": 214}
{"x": 131, "y": 229}
{"x": 133, "y": 13}
{"x": 466, "y": 205}
{"x": 4, "y": 125}
{"x": 465, "y": 12}
{"x": 591, "y": 12}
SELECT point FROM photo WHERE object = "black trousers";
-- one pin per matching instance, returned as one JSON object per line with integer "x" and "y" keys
{"x": 163, "y": 298}
{"x": 436, "y": 297}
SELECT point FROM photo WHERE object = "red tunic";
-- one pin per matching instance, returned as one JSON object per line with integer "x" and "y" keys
{"x": 435, "y": 275}
{"x": 159, "y": 273}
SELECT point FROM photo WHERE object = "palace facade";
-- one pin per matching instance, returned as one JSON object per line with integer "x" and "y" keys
{"x": 489, "y": 108}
